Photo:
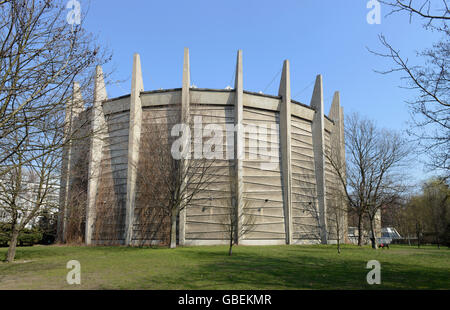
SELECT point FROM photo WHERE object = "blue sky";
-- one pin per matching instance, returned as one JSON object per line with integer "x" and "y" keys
{"x": 318, "y": 37}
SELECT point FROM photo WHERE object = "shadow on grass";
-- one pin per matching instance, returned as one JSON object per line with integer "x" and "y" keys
{"x": 42, "y": 251}
{"x": 268, "y": 267}
{"x": 299, "y": 269}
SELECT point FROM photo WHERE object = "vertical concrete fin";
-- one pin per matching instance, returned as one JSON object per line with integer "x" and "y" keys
{"x": 137, "y": 82}
{"x": 285, "y": 82}
{"x": 342, "y": 137}
{"x": 239, "y": 145}
{"x": 337, "y": 115}
{"x": 337, "y": 130}
{"x": 134, "y": 138}
{"x": 338, "y": 158}
{"x": 100, "y": 93}
{"x": 285, "y": 141}
{"x": 344, "y": 166}
{"x": 185, "y": 97}
{"x": 98, "y": 127}
{"x": 238, "y": 81}
{"x": 318, "y": 132}
{"x": 317, "y": 96}
{"x": 185, "y": 118}
{"x": 73, "y": 109}
{"x": 77, "y": 100}
{"x": 334, "y": 113}
{"x": 65, "y": 169}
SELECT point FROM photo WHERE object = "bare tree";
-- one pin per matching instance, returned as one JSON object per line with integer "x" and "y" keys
{"x": 30, "y": 187}
{"x": 337, "y": 212}
{"x": 387, "y": 180}
{"x": 236, "y": 224}
{"x": 172, "y": 182}
{"x": 41, "y": 55}
{"x": 423, "y": 8}
{"x": 157, "y": 184}
{"x": 429, "y": 79}
{"x": 371, "y": 178}
{"x": 337, "y": 206}
{"x": 309, "y": 222}
{"x": 74, "y": 208}
{"x": 108, "y": 217}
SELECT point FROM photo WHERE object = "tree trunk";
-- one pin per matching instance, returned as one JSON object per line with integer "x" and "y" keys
{"x": 373, "y": 237}
{"x": 418, "y": 235}
{"x": 173, "y": 230}
{"x": 360, "y": 230}
{"x": 338, "y": 233}
{"x": 230, "y": 250}
{"x": 12, "y": 246}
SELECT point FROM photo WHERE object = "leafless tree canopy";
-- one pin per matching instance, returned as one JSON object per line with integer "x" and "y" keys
{"x": 30, "y": 187}
{"x": 236, "y": 221}
{"x": 431, "y": 10}
{"x": 41, "y": 55}
{"x": 167, "y": 185}
{"x": 428, "y": 78}
{"x": 337, "y": 209}
{"x": 373, "y": 176}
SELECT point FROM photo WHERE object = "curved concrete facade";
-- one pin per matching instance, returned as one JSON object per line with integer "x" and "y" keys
{"x": 282, "y": 180}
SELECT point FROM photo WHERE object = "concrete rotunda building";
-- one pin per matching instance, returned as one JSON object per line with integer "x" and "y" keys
{"x": 290, "y": 199}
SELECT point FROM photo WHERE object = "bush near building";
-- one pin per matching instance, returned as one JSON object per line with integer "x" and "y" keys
{"x": 27, "y": 237}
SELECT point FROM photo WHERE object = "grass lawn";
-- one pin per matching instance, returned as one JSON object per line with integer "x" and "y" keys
{"x": 256, "y": 267}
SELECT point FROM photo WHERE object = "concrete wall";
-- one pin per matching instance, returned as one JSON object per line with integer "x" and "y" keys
{"x": 73, "y": 195}
{"x": 112, "y": 190}
{"x": 305, "y": 205}
{"x": 205, "y": 215}
{"x": 262, "y": 175}
{"x": 262, "y": 189}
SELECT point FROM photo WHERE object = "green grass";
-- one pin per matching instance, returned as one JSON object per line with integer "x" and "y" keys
{"x": 257, "y": 267}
